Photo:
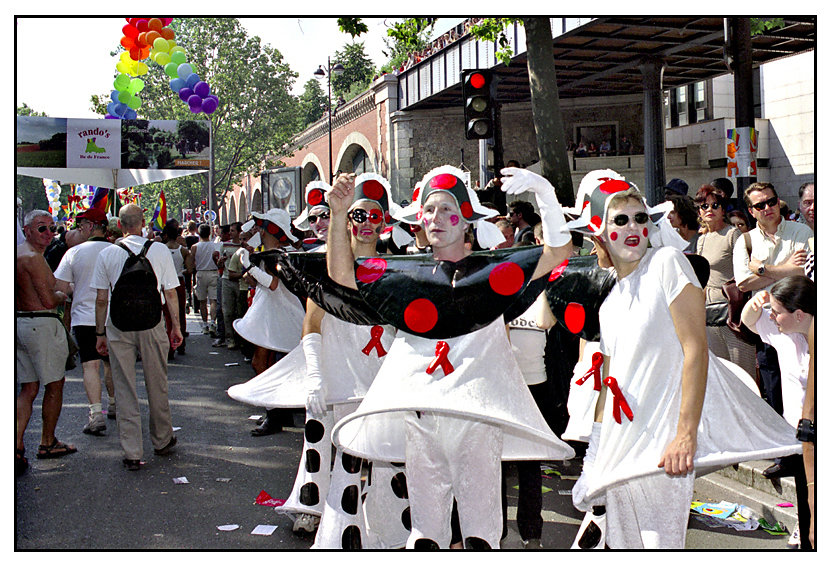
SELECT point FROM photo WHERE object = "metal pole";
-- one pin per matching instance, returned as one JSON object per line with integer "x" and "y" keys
{"x": 329, "y": 111}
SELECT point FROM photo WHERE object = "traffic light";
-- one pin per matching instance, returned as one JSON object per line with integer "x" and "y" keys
{"x": 477, "y": 96}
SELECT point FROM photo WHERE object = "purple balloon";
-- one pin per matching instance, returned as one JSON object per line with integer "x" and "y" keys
{"x": 111, "y": 117}
{"x": 185, "y": 94}
{"x": 202, "y": 89}
{"x": 209, "y": 105}
{"x": 195, "y": 100}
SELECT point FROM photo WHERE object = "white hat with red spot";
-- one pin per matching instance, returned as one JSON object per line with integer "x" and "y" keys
{"x": 315, "y": 196}
{"x": 451, "y": 180}
{"x": 375, "y": 188}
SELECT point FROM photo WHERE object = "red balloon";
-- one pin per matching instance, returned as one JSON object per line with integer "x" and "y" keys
{"x": 130, "y": 31}
{"x": 167, "y": 21}
{"x": 141, "y": 25}
{"x": 136, "y": 54}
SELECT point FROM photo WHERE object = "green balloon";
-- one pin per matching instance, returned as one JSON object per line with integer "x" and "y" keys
{"x": 178, "y": 57}
{"x": 124, "y": 97}
{"x": 121, "y": 82}
{"x": 136, "y": 86}
{"x": 171, "y": 69}
{"x": 135, "y": 102}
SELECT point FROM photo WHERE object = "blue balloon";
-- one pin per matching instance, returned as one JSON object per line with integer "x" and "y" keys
{"x": 120, "y": 109}
{"x": 111, "y": 108}
{"x": 130, "y": 114}
{"x": 184, "y": 70}
{"x": 177, "y": 85}
{"x": 114, "y": 96}
{"x": 192, "y": 80}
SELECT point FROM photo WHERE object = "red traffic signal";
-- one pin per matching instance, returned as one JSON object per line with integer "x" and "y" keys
{"x": 478, "y": 100}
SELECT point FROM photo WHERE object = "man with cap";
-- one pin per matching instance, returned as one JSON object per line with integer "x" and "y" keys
{"x": 273, "y": 321}
{"x": 675, "y": 186}
{"x": 457, "y": 405}
{"x": 73, "y": 277}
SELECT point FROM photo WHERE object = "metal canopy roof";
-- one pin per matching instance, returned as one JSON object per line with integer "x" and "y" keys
{"x": 601, "y": 58}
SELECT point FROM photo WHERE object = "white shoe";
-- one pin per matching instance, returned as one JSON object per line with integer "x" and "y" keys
{"x": 794, "y": 539}
{"x": 306, "y": 523}
{"x": 206, "y": 329}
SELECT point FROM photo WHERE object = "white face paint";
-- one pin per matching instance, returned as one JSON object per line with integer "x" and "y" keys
{"x": 443, "y": 222}
{"x": 320, "y": 226}
{"x": 626, "y": 243}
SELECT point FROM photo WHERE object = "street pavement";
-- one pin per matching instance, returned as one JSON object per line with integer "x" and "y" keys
{"x": 89, "y": 501}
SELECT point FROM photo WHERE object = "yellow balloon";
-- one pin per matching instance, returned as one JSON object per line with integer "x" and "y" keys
{"x": 142, "y": 69}
{"x": 162, "y": 59}
{"x": 161, "y": 45}
{"x": 122, "y": 67}
{"x": 125, "y": 56}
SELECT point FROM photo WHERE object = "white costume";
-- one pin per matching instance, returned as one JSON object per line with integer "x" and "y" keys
{"x": 645, "y": 506}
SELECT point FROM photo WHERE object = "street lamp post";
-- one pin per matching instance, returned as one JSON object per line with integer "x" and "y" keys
{"x": 320, "y": 74}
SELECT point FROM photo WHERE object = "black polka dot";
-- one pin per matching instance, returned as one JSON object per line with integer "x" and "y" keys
{"x": 349, "y": 499}
{"x": 476, "y": 543}
{"x": 313, "y": 461}
{"x": 314, "y": 431}
{"x": 398, "y": 465}
{"x": 309, "y": 495}
{"x": 425, "y": 544}
{"x": 406, "y": 518}
{"x": 351, "y": 538}
{"x": 399, "y": 485}
{"x": 351, "y": 464}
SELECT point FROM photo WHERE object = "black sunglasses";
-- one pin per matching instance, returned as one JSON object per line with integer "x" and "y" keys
{"x": 706, "y": 206}
{"x": 52, "y": 228}
{"x": 360, "y": 215}
{"x": 314, "y": 218}
{"x": 623, "y": 220}
{"x": 773, "y": 202}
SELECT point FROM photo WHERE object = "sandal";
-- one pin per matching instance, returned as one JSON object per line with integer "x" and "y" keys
{"x": 20, "y": 462}
{"x": 56, "y": 450}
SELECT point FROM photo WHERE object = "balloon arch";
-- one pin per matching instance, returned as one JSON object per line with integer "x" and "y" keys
{"x": 151, "y": 38}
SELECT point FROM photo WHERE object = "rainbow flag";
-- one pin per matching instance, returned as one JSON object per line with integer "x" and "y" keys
{"x": 160, "y": 214}
{"x": 100, "y": 199}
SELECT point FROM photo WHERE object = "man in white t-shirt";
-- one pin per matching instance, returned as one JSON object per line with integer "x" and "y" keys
{"x": 153, "y": 344}
{"x": 206, "y": 277}
{"x": 73, "y": 278}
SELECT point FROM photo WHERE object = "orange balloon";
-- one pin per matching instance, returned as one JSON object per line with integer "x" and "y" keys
{"x": 152, "y": 36}
{"x": 127, "y": 43}
{"x": 154, "y": 24}
{"x": 141, "y": 41}
{"x": 145, "y": 52}
{"x": 168, "y": 33}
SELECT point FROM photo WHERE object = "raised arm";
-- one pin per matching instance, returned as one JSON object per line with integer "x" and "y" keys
{"x": 753, "y": 309}
{"x": 339, "y": 258}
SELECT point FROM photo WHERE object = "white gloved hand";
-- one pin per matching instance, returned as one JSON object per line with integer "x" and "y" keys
{"x": 260, "y": 276}
{"x": 580, "y": 488}
{"x": 516, "y": 181}
{"x": 244, "y": 258}
{"x": 316, "y": 390}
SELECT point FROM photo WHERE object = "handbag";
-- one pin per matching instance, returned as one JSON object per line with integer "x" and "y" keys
{"x": 736, "y": 301}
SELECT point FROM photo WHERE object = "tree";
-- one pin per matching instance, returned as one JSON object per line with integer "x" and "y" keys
{"x": 30, "y": 189}
{"x": 403, "y": 38}
{"x": 543, "y": 87}
{"x": 358, "y": 71}
{"x": 257, "y": 113}
{"x": 312, "y": 104}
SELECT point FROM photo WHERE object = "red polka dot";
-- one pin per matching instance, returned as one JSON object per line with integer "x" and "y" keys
{"x": 415, "y": 196}
{"x": 574, "y": 317}
{"x": 556, "y": 273}
{"x": 506, "y": 278}
{"x": 466, "y": 209}
{"x": 613, "y": 235}
{"x": 421, "y": 315}
{"x": 645, "y": 232}
{"x": 373, "y": 189}
{"x": 596, "y": 220}
{"x": 388, "y": 218}
{"x": 315, "y": 197}
{"x": 443, "y": 181}
{"x": 614, "y": 186}
{"x": 370, "y": 270}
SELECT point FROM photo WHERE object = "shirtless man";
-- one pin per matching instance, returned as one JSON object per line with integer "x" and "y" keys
{"x": 40, "y": 340}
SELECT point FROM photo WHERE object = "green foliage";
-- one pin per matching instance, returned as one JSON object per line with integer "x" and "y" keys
{"x": 352, "y": 26}
{"x": 257, "y": 113}
{"x": 312, "y": 104}
{"x": 26, "y": 111}
{"x": 358, "y": 71}
{"x": 762, "y": 25}
{"x": 494, "y": 29}
{"x": 30, "y": 189}
{"x": 405, "y": 37}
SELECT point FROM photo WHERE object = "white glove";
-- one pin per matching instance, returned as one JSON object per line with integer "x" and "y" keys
{"x": 516, "y": 181}
{"x": 580, "y": 488}
{"x": 260, "y": 276}
{"x": 316, "y": 391}
{"x": 244, "y": 259}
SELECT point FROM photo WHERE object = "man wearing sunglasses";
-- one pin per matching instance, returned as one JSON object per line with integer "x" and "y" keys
{"x": 778, "y": 249}
{"x": 41, "y": 347}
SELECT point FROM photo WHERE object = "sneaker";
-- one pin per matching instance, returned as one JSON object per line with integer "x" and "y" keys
{"x": 232, "y": 345}
{"x": 206, "y": 329}
{"x": 218, "y": 343}
{"x": 213, "y": 330}
{"x": 96, "y": 425}
{"x": 307, "y": 523}
{"x": 794, "y": 539}
{"x": 532, "y": 543}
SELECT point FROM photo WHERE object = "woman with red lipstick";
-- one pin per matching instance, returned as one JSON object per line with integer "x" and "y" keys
{"x": 656, "y": 422}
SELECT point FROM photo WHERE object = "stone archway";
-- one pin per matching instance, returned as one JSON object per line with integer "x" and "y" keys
{"x": 232, "y": 212}
{"x": 256, "y": 201}
{"x": 353, "y": 143}
{"x": 312, "y": 169}
{"x": 242, "y": 210}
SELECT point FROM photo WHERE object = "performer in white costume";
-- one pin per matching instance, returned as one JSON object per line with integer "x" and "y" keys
{"x": 668, "y": 406}
{"x": 453, "y": 408}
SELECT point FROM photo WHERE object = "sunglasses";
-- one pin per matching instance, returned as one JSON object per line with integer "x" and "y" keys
{"x": 623, "y": 220}
{"x": 706, "y": 206}
{"x": 314, "y": 218}
{"x": 773, "y": 202}
{"x": 359, "y": 216}
{"x": 51, "y": 228}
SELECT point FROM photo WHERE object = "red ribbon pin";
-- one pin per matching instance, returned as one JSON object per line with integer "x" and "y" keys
{"x": 375, "y": 341}
{"x": 594, "y": 371}
{"x": 442, "y": 350}
{"x": 619, "y": 402}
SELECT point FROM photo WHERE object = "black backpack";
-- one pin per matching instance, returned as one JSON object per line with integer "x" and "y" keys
{"x": 136, "y": 304}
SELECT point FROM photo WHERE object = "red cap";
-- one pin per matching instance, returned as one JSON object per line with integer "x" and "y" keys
{"x": 93, "y": 215}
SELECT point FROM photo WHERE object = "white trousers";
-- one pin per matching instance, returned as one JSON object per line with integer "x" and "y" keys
{"x": 447, "y": 458}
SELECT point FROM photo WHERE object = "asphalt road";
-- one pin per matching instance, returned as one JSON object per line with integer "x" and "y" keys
{"x": 88, "y": 501}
